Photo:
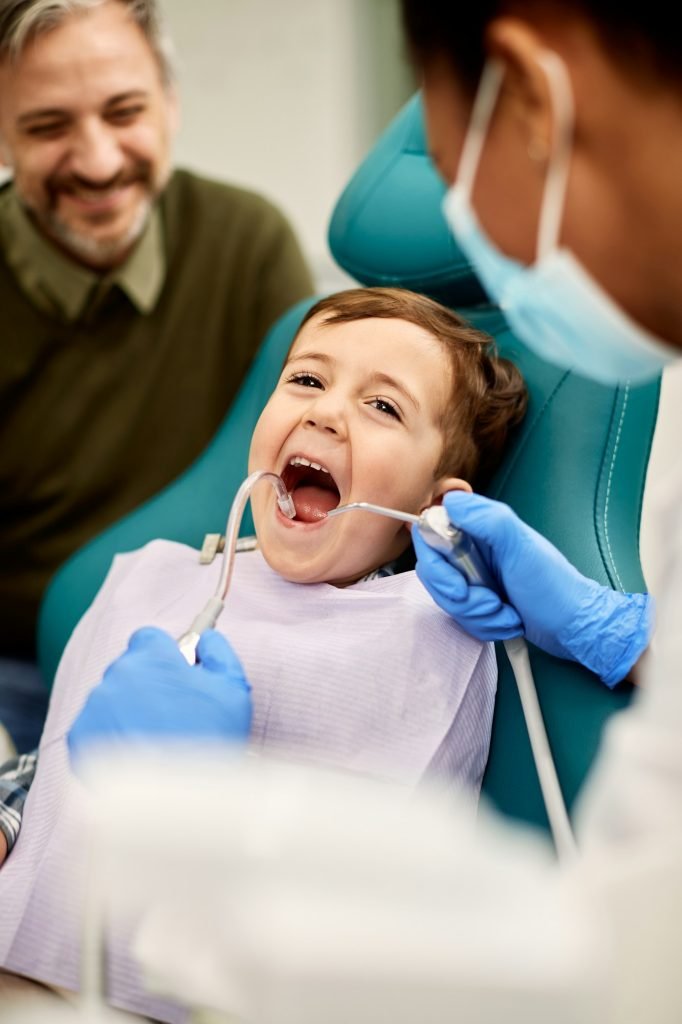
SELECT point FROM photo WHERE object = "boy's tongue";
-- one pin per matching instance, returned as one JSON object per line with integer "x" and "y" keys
{"x": 313, "y": 503}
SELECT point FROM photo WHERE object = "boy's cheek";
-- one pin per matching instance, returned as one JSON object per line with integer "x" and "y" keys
{"x": 257, "y": 511}
{"x": 263, "y": 439}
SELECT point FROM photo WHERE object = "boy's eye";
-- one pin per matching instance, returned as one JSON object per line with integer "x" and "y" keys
{"x": 383, "y": 405}
{"x": 306, "y": 380}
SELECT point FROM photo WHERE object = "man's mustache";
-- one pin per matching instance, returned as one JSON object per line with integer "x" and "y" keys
{"x": 139, "y": 173}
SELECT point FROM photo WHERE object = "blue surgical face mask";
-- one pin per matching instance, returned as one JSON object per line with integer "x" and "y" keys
{"x": 554, "y": 306}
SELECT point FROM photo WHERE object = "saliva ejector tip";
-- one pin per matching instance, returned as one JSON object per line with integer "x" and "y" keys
{"x": 286, "y": 504}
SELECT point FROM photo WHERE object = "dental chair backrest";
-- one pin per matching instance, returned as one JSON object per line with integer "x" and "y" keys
{"x": 575, "y": 469}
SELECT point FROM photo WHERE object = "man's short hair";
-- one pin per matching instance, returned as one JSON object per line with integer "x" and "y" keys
{"x": 22, "y": 20}
{"x": 487, "y": 394}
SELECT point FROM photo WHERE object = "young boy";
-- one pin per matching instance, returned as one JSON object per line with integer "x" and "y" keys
{"x": 386, "y": 397}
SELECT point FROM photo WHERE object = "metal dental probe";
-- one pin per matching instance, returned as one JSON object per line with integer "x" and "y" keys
{"x": 439, "y": 533}
{"x": 207, "y": 618}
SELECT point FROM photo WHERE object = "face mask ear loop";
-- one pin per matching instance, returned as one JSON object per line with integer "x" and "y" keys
{"x": 484, "y": 104}
{"x": 554, "y": 197}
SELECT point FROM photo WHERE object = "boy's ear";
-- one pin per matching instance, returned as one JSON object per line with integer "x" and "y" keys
{"x": 448, "y": 483}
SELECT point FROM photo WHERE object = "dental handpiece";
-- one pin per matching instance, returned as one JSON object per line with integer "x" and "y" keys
{"x": 208, "y": 616}
{"x": 440, "y": 534}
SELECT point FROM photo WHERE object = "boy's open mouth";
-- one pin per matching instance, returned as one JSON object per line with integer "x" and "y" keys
{"x": 312, "y": 487}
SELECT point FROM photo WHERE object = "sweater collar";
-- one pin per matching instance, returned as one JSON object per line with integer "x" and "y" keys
{"x": 58, "y": 285}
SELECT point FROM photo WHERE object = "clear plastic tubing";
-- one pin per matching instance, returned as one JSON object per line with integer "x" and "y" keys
{"x": 208, "y": 616}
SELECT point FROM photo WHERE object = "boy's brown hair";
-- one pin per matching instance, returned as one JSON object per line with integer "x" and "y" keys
{"x": 488, "y": 395}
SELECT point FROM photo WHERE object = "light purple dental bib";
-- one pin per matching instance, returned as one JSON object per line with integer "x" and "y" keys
{"x": 374, "y": 679}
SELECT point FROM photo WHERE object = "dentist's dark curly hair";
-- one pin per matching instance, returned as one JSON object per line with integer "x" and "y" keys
{"x": 643, "y": 36}
{"x": 487, "y": 394}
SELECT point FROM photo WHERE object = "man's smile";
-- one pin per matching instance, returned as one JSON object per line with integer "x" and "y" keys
{"x": 96, "y": 200}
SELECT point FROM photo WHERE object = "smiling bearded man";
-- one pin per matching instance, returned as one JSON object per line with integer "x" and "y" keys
{"x": 133, "y": 298}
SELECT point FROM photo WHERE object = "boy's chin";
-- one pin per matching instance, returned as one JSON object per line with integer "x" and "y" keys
{"x": 313, "y": 570}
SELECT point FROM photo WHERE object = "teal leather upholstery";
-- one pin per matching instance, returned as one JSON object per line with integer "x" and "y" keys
{"x": 388, "y": 228}
{"x": 575, "y": 469}
{"x": 195, "y": 504}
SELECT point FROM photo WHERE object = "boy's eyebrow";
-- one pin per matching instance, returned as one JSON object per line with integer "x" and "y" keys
{"x": 322, "y": 356}
{"x": 384, "y": 378}
{"x": 376, "y": 378}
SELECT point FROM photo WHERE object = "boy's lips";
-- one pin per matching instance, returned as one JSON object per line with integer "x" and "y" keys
{"x": 312, "y": 487}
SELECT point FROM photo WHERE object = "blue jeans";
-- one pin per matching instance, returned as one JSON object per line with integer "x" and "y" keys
{"x": 23, "y": 702}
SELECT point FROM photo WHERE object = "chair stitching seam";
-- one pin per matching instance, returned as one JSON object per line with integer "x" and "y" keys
{"x": 608, "y": 486}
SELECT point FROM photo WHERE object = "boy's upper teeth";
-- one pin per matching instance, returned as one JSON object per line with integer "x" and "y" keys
{"x": 298, "y": 460}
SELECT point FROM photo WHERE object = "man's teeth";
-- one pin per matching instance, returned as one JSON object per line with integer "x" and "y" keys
{"x": 95, "y": 195}
{"x": 298, "y": 460}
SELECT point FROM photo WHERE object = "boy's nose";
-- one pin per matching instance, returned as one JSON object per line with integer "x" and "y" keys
{"x": 326, "y": 413}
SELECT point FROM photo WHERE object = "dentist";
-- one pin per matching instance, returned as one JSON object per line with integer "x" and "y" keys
{"x": 559, "y": 130}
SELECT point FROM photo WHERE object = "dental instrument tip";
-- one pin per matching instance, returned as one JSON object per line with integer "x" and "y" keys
{"x": 368, "y": 506}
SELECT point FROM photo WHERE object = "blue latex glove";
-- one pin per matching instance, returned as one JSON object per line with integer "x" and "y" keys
{"x": 151, "y": 693}
{"x": 543, "y": 597}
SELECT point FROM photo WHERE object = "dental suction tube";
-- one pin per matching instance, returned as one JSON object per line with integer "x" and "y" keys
{"x": 208, "y": 616}
{"x": 440, "y": 534}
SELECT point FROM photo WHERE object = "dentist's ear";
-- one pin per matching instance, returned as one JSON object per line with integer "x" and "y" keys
{"x": 448, "y": 483}
{"x": 522, "y": 47}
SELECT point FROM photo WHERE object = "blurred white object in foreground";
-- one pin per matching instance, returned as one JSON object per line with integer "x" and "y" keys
{"x": 286, "y": 894}
{"x": 53, "y": 1009}
{"x": 629, "y": 818}
{"x": 629, "y": 825}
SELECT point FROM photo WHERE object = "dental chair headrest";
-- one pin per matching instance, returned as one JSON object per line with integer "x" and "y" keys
{"x": 388, "y": 229}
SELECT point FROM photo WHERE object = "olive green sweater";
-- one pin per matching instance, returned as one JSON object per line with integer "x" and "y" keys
{"x": 99, "y": 414}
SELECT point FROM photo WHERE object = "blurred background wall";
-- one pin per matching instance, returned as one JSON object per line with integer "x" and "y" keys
{"x": 286, "y": 96}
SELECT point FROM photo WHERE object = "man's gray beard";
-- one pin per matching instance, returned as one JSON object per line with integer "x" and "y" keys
{"x": 98, "y": 254}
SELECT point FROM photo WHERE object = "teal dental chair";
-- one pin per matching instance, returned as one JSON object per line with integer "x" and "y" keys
{"x": 575, "y": 469}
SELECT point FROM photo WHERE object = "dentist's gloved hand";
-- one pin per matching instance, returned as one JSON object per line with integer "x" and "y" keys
{"x": 543, "y": 597}
{"x": 151, "y": 693}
